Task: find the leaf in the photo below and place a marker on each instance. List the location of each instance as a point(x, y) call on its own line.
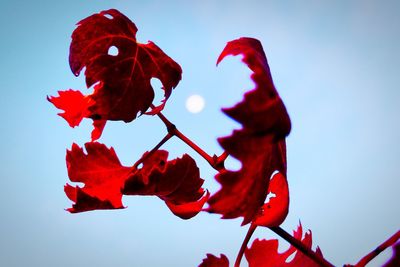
point(395, 259)
point(74, 104)
point(274, 212)
point(122, 87)
point(101, 172)
point(264, 253)
point(213, 261)
point(259, 144)
point(177, 182)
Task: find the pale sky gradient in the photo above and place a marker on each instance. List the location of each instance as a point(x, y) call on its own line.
point(336, 66)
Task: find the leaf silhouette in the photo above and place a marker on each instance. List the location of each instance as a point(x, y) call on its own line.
point(274, 212)
point(395, 259)
point(259, 145)
point(264, 253)
point(121, 79)
point(177, 182)
point(101, 172)
point(74, 104)
point(213, 261)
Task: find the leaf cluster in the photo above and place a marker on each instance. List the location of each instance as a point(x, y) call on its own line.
point(123, 92)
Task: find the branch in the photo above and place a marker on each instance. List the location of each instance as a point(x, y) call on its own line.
point(246, 240)
point(300, 246)
point(378, 250)
point(217, 162)
point(151, 152)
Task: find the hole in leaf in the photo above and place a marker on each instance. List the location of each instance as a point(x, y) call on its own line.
point(113, 51)
point(108, 16)
point(291, 257)
point(232, 164)
point(140, 166)
point(269, 196)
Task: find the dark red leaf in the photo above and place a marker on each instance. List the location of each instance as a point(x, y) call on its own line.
point(121, 80)
point(274, 212)
point(101, 172)
point(74, 104)
point(395, 259)
point(177, 182)
point(189, 209)
point(213, 261)
point(264, 253)
point(259, 145)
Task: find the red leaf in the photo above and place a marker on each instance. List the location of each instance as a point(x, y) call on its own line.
point(274, 212)
point(264, 253)
point(189, 209)
point(395, 259)
point(122, 80)
point(177, 182)
point(74, 104)
point(102, 173)
point(259, 145)
point(213, 261)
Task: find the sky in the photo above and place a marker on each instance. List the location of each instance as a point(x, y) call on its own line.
point(335, 65)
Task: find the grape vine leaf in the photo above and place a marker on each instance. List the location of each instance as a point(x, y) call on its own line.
point(395, 259)
point(274, 212)
point(74, 105)
point(213, 261)
point(101, 172)
point(177, 182)
point(264, 253)
point(259, 145)
point(120, 78)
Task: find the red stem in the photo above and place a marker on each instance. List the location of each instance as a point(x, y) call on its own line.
point(151, 152)
point(300, 246)
point(215, 161)
point(378, 250)
point(223, 156)
point(246, 240)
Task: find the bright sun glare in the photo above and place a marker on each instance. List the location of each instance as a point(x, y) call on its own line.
point(195, 103)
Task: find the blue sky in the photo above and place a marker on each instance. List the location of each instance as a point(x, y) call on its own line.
point(336, 66)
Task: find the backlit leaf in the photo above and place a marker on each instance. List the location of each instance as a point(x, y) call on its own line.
point(121, 79)
point(101, 172)
point(264, 253)
point(259, 144)
point(395, 259)
point(213, 261)
point(274, 212)
point(177, 182)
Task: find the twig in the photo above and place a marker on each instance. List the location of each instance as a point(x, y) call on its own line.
point(151, 152)
point(216, 162)
point(246, 240)
point(378, 250)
